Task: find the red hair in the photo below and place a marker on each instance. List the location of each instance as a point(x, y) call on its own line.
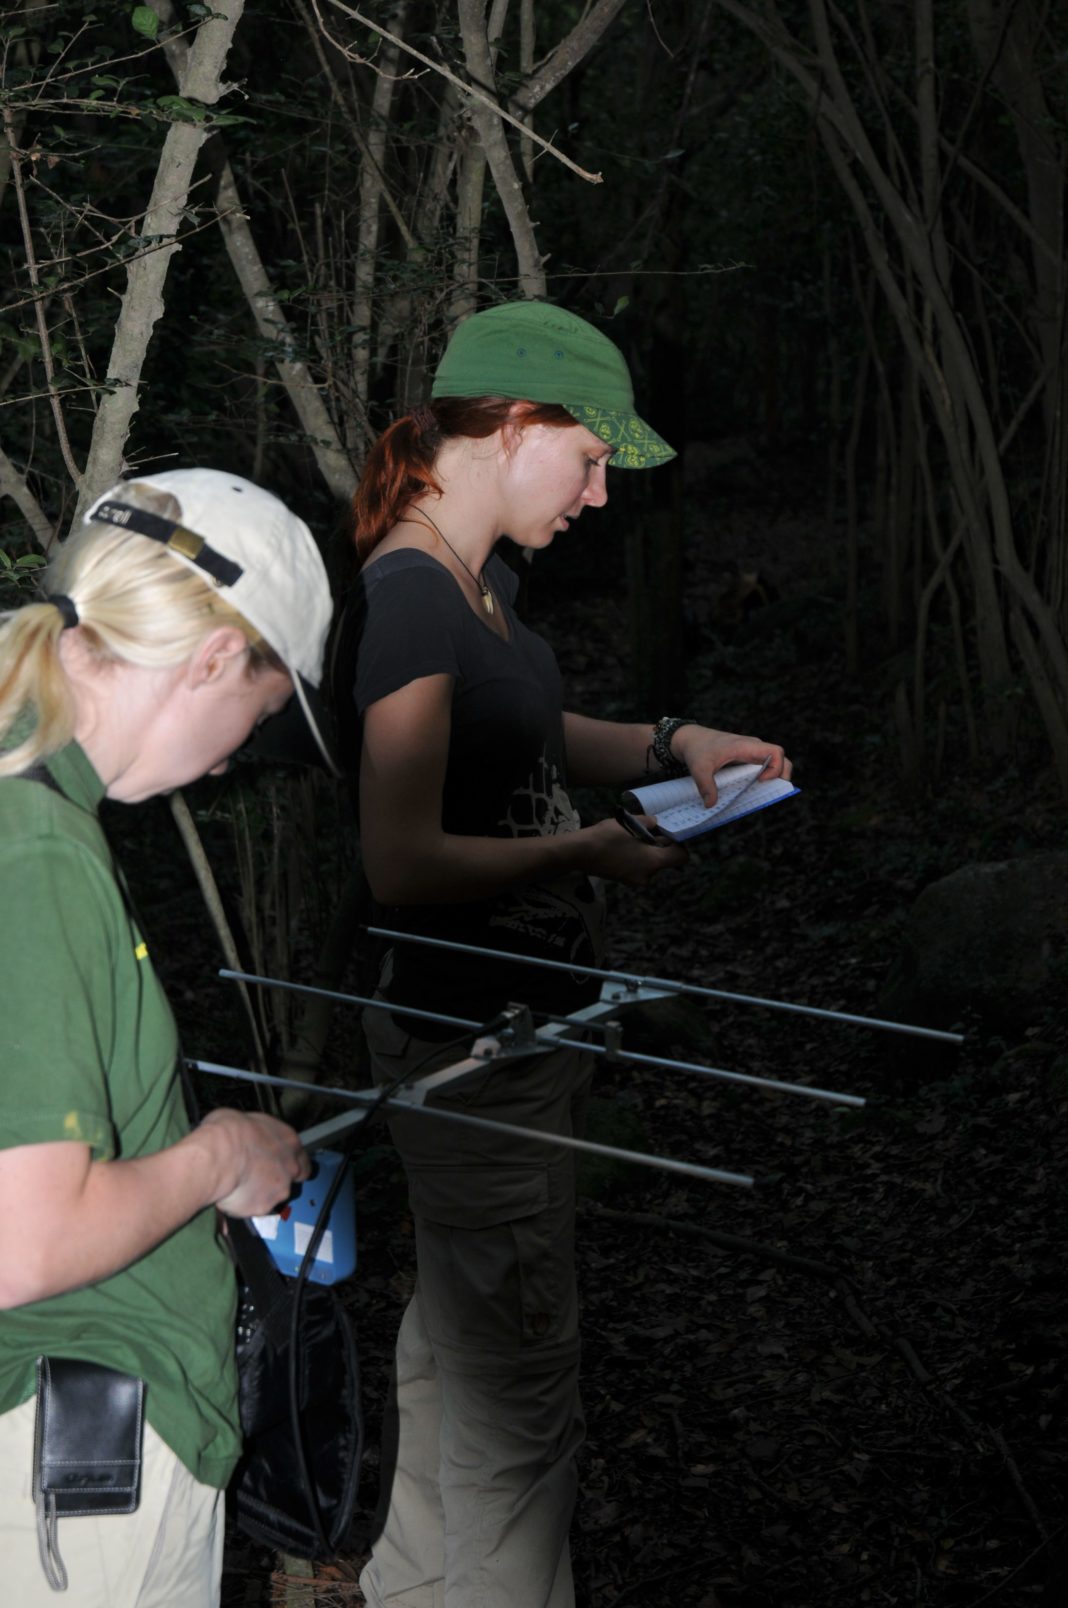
point(400, 465)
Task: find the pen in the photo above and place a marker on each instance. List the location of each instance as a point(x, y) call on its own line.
point(639, 831)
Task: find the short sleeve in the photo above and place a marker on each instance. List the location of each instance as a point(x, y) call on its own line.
point(413, 626)
point(57, 947)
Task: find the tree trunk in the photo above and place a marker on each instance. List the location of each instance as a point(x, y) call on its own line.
point(472, 16)
point(470, 187)
point(371, 188)
point(271, 321)
point(142, 302)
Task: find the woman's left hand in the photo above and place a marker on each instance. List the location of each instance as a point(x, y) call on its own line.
point(704, 751)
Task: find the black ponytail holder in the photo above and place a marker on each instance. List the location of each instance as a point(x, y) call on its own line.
point(425, 420)
point(67, 608)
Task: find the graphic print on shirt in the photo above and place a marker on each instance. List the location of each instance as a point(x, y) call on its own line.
point(541, 807)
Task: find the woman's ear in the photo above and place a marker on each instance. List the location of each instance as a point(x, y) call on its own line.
point(215, 654)
point(512, 428)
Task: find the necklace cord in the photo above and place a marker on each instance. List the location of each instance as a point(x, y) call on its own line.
point(480, 580)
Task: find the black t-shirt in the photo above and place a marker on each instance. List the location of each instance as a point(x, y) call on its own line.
point(505, 777)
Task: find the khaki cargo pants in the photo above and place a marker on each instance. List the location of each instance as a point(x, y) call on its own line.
point(479, 1481)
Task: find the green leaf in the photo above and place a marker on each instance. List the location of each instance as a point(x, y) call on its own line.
point(621, 305)
point(145, 22)
point(182, 110)
point(226, 119)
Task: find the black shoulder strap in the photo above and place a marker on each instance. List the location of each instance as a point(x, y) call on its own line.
point(42, 774)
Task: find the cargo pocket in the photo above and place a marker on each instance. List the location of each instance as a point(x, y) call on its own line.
point(387, 1039)
point(496, 1273)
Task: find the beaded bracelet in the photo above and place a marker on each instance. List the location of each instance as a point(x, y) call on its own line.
point(660, 747)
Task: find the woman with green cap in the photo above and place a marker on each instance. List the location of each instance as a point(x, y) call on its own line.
point(464, 752)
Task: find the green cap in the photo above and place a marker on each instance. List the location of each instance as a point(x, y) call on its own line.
point(534, 352)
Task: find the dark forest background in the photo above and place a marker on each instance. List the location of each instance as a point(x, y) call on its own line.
point(830, 239)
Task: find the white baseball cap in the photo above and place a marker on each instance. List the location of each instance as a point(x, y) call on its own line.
point(261, 557)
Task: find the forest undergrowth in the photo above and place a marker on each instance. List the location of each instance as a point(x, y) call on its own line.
point(844, 1385)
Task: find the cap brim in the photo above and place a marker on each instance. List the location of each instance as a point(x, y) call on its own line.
point(317, 720)
point(635, 444)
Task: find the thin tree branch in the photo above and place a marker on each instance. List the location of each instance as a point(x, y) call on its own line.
point(468, 89)
point(567, 54)
point(307, 399)
point(38, 396)
point(317, 35)
point(76, 284)
point(42, 323)
point(371, 185)
point(13, 485)
point(209, 892)
point(527, 36)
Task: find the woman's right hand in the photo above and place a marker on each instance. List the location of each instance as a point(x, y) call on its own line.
point(619, 857)
point(261, 1160)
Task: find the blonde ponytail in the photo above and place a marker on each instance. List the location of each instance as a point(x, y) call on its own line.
point(31, 677)
point(134, 602)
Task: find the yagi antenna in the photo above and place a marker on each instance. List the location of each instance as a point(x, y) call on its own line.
point(664, 985)
point(551, 1036)
point(326, 1133)
point(512, 1036)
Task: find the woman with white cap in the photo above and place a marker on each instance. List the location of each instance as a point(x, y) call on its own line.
point(188, 609)
point(464, 754)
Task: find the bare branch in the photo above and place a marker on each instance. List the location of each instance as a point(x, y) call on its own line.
point(13, 485)
point(567, 54)
point(38, 396)
point(303, 393)
point(42, 325)
point(109, 267)
point(366, 265)
point(468, 89)
point(527, 38)
point(317, 35)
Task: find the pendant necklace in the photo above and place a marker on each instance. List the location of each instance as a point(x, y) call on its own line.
point(480, 580)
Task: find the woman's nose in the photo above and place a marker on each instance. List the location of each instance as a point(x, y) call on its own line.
point(596, 493)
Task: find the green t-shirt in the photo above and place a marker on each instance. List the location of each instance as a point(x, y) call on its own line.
point(88, 1052)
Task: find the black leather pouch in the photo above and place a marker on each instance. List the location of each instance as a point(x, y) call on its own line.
point(87, 1448)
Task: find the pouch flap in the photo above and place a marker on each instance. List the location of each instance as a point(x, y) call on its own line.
point(88, 1436)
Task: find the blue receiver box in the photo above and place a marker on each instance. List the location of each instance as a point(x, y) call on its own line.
point(287, 1233)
